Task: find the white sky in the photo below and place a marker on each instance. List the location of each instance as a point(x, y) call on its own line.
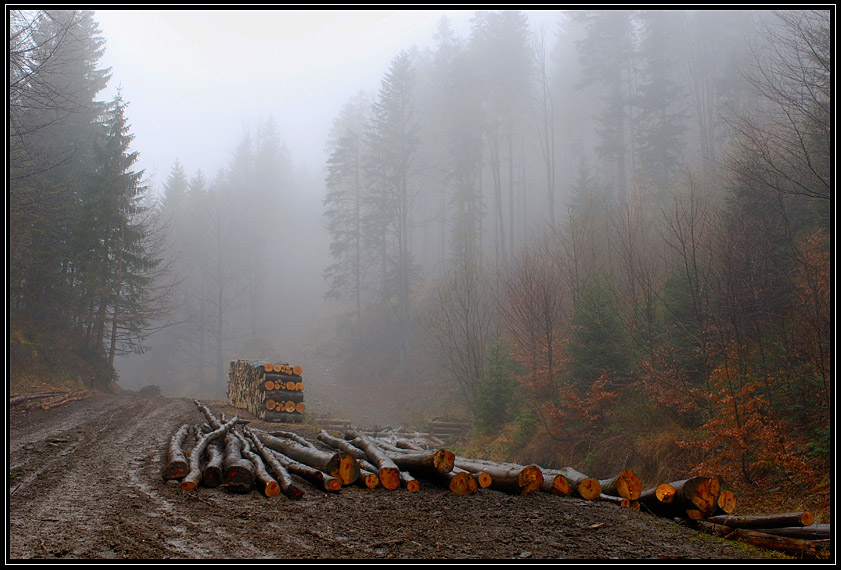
point(195, 80)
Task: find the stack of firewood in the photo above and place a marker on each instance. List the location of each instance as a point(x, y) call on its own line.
point(240, 458)
point(269, 391)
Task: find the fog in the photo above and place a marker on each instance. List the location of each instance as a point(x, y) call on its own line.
point(417, 206)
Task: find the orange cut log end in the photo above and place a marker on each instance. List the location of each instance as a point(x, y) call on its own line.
point(389, 478)
point(727, 502)
point(531, 478)
point(590, 489)
point(272, 489)
point(665, 493)
point(560, 486)
point(462, 484)
point(484, 480)
point(629, 485)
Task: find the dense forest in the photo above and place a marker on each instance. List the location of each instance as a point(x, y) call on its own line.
point(604, 239)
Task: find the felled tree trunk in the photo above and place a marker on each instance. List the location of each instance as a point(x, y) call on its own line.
point(176, 466)
point(794, 546)
point(284, 480)
point(237, 472)
point(367, 478)
point(314, 475)
point(583, 486)
point(340, 465)
point(518, 480)
point(556, 484)
point(812, 532)
point(626, 485)
point(262, 479)
point(697, 496)
point(621, 501)
point(656, 500)
point(387, 470)
point(191, 481)
point(800, 519)
point(441, 461)
point(212, 470)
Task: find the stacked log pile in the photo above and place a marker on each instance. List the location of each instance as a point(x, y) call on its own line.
point(239, 458)
point(268, 391)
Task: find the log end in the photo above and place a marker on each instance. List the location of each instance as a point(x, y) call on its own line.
point(462, 483)
point(176, 470)
point(444, 460)
point(665, 493)
point(589, 489)
point(727, 502)
point(807, 518)
point(389, 478)
point(530, 478)
point(484, 480)
point(560, 486)
point(629, 485)
point(272, 489)
point(413, 485)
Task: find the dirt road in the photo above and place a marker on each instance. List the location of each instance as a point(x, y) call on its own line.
point(85, 482)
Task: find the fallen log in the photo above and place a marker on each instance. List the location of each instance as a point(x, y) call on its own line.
point(815, 531)
point(800, 519)
point(262, 479)
point(237, 472)
point(284, 480)
point(20, 398)
point(367, 478)
point(556, 484)
point(439, 460)
point(177, 466)
point(656, 500)
point(409, 482)
point(794, 546)
point(520, 479)
point(387, 470)
point(583, 486)
point(626, 485)
point(191, 481)
point(621, 501)
point(317, 477)
point(212, 469)
point(340, 465)
point(697, 496)
point(726, 502)
point(459, 481)
point(61, 400)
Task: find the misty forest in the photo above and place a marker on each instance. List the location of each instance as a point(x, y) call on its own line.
point(604, 242)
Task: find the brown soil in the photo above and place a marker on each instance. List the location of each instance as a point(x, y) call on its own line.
point(85, 482)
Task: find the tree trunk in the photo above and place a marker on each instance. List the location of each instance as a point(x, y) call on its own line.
point(237, 473)
point(556, 484)
point(583, 486)
point(621, 501)
point(287, 486)
point(626, 485)
point(800, 519)
point(192, 479)
point(387, 470)
point(656, 499)
point(340, 465)
point(177, 466)
point(262, 479)
point(812, 532)
point(312, 474)
point(517, 479)
point(212, 470)
point(793, 546)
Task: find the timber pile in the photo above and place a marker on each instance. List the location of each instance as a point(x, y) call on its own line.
point(239, 458)
point(268, 391)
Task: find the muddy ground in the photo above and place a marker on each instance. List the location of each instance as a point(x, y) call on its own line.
point(85, 482)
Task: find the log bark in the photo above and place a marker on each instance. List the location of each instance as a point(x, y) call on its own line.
point(813, 532)
point(800, 519)
point(191, 481)
point(237, 472)
point(621, 501)
point(519, 480)
point(317, 477)
point(556, 484)
point(387, 469)
point(212, 469)
point(583, 486)
point(626, 485)
point(794, 546)
point(656, 500)
point(284, 480)
point(440, 460)
point(177, 466)
point(340, 465)
point(262, 479)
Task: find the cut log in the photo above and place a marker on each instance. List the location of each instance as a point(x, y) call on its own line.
point(20, 398)
point(191, 481)
point(177, 466)
point(284, 480)
point(812, 532)
point(621, 501)
point(726, 502)
point(367, 479)
point(262, 479)
point(483, 480)
point(315, 476)
point(519, 480)
point(698, 496)
point(801, 519)
point(387, 470)
point(585, 487)
point(440, 460)
point(212, 469)
point(793, 546)
point(409, 482)
point(556, 484)
point(237, 472)
point(340, 465)
point(626, 485)
point(459, 481)
point(656, 500)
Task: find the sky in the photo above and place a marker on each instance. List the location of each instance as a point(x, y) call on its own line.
point(197, 80)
